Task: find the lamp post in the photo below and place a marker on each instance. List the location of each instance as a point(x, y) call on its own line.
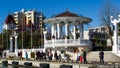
point(115, 42)
point(31, 36)
point(16, 46)
point(11, 43)
point(44, 31)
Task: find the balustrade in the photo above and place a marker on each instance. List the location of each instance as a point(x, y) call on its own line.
point(69, 42)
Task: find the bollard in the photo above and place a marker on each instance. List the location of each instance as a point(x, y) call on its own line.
point(44, 65)
point(28, 63)
point(119, 66)
point(5, 62)
point(65, 66)
point(15, 63)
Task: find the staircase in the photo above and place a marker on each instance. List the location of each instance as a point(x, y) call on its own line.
point(108, 56)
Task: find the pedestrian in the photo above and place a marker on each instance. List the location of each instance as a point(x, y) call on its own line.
point(81, 56)
point(78, 55)
point(50, 55)
point(26, 56)
point(42, 56)
point(84, 57)
point(20, 54)
point(32, 54)
point(4, 54)
point(55, 55)
point(59, 57)
point(37, 55)
point(0, 54)
point(47, 56)
point(101, 56)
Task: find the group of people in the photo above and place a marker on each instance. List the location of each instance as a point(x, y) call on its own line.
point(81, 56)
point(33, 55)
point(48, 56)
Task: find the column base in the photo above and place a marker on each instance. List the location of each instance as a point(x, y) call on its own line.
point(16, 50)
point(114, 49)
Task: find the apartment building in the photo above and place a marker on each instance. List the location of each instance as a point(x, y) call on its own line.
point(23, 17)
point(99, 36)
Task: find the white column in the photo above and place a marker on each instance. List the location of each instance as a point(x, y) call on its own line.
point(66, 29)
point(55, 32)
point(66, 32)
point(74, 28)
point(58, 30)
point(81, 31)
point(52, 30)
point(16, 46)
point(11, 43)
point(115, 42)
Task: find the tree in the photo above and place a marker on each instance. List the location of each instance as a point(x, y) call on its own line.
point(106, 12)
point(26, 39)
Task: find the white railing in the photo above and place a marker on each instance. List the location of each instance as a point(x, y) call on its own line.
point(66, 42)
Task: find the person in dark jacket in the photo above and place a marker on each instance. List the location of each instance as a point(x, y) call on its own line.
point(84, 57)
point(101, 56)
point(55, 55)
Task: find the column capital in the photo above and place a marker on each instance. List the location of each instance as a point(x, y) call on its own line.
point(115, 21)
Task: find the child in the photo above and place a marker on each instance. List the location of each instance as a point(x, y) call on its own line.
point(81, 59)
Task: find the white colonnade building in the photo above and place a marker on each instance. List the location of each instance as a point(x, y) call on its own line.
point(59, 35)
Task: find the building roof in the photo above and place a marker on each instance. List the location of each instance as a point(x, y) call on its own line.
point(9, 20)
point(67, 14)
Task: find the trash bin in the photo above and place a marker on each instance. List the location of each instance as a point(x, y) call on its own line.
point(15, 63)
point(5, 62)
point(28, 63)
point(44, 65)
point(65, 66)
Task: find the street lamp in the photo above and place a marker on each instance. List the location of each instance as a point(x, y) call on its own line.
point(115, 22)
point(16, 36)
point(44, 31)
point(11, 43)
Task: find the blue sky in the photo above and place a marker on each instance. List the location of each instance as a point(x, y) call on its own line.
point(87, 8)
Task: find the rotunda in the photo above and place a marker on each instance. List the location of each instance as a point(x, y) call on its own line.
point(61, 26)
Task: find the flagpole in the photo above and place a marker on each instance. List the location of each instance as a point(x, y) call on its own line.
point(22, 33)
point(31, 35)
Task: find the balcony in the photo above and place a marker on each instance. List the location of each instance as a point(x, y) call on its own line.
point(66, 43)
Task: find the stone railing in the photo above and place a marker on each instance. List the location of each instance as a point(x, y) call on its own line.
point(66, 42)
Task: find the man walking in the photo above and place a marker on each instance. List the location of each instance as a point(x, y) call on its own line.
point(101, 56)
point(84, 57)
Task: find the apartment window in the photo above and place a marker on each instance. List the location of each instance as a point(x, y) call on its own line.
point(96, 30)
point(118, 44)
point(102, 29)
point(119, 48)
point(118, 39)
